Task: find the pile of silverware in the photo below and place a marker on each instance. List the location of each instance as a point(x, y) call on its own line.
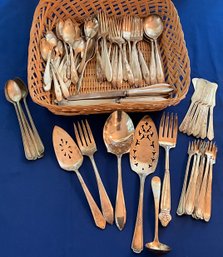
point(199, 118)
point(196, 193)
point(69, 48)
point(16, 92)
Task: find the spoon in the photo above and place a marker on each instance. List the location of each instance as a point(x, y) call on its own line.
point(14, 95)
point(144, 154)
point(156, 246)
point(153, 28)
point(90, 55)
point(70, 158)
point(24, 92)
point(118, 135)
point(78, 47)
point(90, 30)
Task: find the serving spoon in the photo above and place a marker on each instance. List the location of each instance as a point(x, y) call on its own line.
point(153, 28)
point(70, 158)
point(156, 246)
point(144, 154)
point(118, 136)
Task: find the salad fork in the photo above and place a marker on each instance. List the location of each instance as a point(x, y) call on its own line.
point(87, 145)
point(136, 36)
point(167, 139)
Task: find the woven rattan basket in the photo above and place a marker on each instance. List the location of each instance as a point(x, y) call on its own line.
point(173, 50)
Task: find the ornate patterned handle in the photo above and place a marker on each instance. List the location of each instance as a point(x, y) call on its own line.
point(96, 213)
point(159, 64)
point(135, 66)
point(152, 67)
point(145, 69)
point(207, 209)
point(107, 63)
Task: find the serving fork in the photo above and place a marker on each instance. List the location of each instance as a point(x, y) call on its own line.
point(167, 139)
point(87, 145)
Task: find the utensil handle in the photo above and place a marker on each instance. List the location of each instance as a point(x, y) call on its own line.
point(120, 70)
point(137, 240)
point(135, 66)
point(35, 132)
point(152, 66)
point(201, 199)
point(144, 67)
point(83, 61)
point(165, 205)
point(106, 205)
point(159, 64)
point(199, 182)
point(80, 81)
point(181, 206)
point(27, 152)
point(96, 213)
point(191, 191)
point(127, 68)
point(107, 63)
point(184, 124)
point(156, 187)
point(120, 209)
point(210, 134)
point(207, 209)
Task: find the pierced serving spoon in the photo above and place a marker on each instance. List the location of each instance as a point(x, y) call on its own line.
point(156, 246)
point(70, 158)
point(144, 155)
point(153, 28)
point(118, 135)
point(24, 92)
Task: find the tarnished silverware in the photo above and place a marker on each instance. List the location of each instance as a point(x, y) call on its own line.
point(208, 196)
point(38, 140)
point(70, 159)
point(153, 28)
point(191, 190)
point(153, 90)
point(118, 136)
point(126, 32)
point(103, 33)
point(156, 246)
point(136, 36)
point(191, 153)
point(167, 139)
point(144, 154)
point(87, 145)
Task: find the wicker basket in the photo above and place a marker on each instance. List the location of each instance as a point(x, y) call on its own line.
point(173, 50)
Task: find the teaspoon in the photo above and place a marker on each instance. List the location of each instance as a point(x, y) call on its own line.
point(153, 28)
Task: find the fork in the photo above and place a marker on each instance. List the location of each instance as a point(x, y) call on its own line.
point(181, 206)
point(103, 33)
point(199, 212)
point(126, 32)
point(136, 36)
point(167, 139)
point(87, 145)
point(116, 33)
point(208, 196)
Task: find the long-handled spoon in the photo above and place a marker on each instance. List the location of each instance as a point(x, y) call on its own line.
point(70, 159)
point(156, 246)
point(118, 135)
point(38, 140)
point(153, 28)
point(144, 154)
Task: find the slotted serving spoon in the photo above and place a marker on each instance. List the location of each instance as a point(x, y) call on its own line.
point(144, 154)
point(70, 158)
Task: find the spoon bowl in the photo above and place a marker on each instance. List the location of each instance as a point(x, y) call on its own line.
point(13, 92)
point(153, 26)
point(158, 248)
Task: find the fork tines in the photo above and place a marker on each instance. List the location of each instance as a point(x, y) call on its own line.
point(168, 129)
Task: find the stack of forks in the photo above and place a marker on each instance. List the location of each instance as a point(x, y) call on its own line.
point(199, 118)
point(196, 193)
point(118, 56)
